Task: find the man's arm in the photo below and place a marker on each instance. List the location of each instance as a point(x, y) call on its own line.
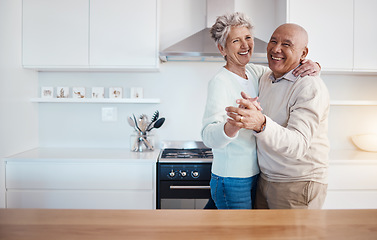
point(292, 141)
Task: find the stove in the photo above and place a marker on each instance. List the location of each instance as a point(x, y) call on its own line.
point(183, 175)
point(186, 155)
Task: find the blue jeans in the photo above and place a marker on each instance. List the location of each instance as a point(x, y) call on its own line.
point(232, 192)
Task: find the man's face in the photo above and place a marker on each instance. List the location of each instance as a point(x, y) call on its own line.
point(285, 50)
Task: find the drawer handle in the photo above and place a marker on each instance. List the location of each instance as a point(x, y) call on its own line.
point(190, 187)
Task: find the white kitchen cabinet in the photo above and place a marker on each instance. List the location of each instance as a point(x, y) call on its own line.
point(365, 35)
point(340, 32)
point(123, 32)
point(55, 33)
point(352, 182)
point(90, 34)
point(330, 28)
point(81, 179)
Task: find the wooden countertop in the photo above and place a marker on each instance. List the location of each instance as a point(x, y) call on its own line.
point(48, 224)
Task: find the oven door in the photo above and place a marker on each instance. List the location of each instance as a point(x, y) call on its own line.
point(184, 194)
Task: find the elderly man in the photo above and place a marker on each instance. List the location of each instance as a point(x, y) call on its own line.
point(292, 131)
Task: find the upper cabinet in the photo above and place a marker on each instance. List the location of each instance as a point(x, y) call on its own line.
point(55, 33)
point(330, 28)
point(365, 35)
point(90, 34)
point(339, 32)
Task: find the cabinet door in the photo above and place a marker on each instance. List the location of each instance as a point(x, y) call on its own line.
point(60, 175)
point(365, 35)
point(351, 199)
point(81, 199)
point(107, 185)
point(351, 186)
point(55, 32)
point(330, 28)
point(123, 33)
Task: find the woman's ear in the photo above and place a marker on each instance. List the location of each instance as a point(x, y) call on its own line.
point(305, 52)
point(221, 49)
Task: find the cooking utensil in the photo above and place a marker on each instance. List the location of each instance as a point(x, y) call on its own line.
point(147, 144)
point(137, 126)
point(143, 120)
point(154, 118)
point(131, 123)
point(157, 124)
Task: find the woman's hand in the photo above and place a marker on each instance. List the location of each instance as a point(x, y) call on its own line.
point(248, 115)
point(307, 68)
point(254, 101)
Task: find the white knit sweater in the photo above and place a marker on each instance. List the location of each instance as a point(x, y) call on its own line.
point(237, 156)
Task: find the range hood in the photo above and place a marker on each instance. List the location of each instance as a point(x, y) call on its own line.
point(201, 47)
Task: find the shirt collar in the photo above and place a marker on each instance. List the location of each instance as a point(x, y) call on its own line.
point(288, 76)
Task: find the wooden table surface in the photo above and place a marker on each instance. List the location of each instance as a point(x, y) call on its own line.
point(51, 224)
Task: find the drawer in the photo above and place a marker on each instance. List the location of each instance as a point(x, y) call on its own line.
point(351, 200)
point(85, 199)
point(106, 176)
point(352, 177)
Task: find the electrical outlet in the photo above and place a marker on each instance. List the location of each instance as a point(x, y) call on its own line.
point(109, 114)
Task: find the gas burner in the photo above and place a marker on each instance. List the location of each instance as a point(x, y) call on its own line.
point(187, 153)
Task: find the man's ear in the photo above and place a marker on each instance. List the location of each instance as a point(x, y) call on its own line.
point(221, 49)
point(305, 52)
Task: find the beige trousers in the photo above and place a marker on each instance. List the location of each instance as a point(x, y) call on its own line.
point(290, 195)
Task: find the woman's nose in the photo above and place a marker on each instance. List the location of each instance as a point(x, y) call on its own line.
point(244, 44)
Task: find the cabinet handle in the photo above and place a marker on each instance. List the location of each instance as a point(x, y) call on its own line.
point(190, 187)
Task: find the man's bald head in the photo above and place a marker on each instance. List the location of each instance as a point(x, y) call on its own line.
point(287, 48)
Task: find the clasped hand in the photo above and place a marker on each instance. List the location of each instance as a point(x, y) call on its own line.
point(247, 115)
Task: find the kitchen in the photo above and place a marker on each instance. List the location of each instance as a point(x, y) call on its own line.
point(180, 87)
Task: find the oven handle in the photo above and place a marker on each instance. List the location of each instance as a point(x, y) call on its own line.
point(190, 187)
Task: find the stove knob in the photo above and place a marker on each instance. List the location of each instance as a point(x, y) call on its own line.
point(183, 173)
point(195, 174)
point(172, 174)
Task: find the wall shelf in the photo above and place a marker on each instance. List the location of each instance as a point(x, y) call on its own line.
point(95, 100)
point(352, 103)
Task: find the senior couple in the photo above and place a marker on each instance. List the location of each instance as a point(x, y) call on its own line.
point(273, 155)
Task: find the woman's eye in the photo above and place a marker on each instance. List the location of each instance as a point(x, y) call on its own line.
point(234, 41)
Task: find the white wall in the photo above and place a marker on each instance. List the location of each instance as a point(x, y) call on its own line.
point(18, 117)
point(181, 86)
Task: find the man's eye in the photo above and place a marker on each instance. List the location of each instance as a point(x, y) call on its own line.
point(286, 44)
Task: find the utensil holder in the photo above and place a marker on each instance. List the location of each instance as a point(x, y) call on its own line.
point(141, 142)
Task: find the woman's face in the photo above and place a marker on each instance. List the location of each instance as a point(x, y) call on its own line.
point(239, 46)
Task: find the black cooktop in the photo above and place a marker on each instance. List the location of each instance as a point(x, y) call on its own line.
point(187, 153)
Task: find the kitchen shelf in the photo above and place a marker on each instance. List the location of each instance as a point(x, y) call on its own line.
point(95, 100)
point(352, 103)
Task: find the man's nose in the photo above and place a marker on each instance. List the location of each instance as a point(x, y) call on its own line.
point(276, 48)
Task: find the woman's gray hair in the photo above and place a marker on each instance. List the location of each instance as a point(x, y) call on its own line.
point(223, 24)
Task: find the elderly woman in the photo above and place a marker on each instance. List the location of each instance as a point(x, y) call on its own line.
point(234, 168)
